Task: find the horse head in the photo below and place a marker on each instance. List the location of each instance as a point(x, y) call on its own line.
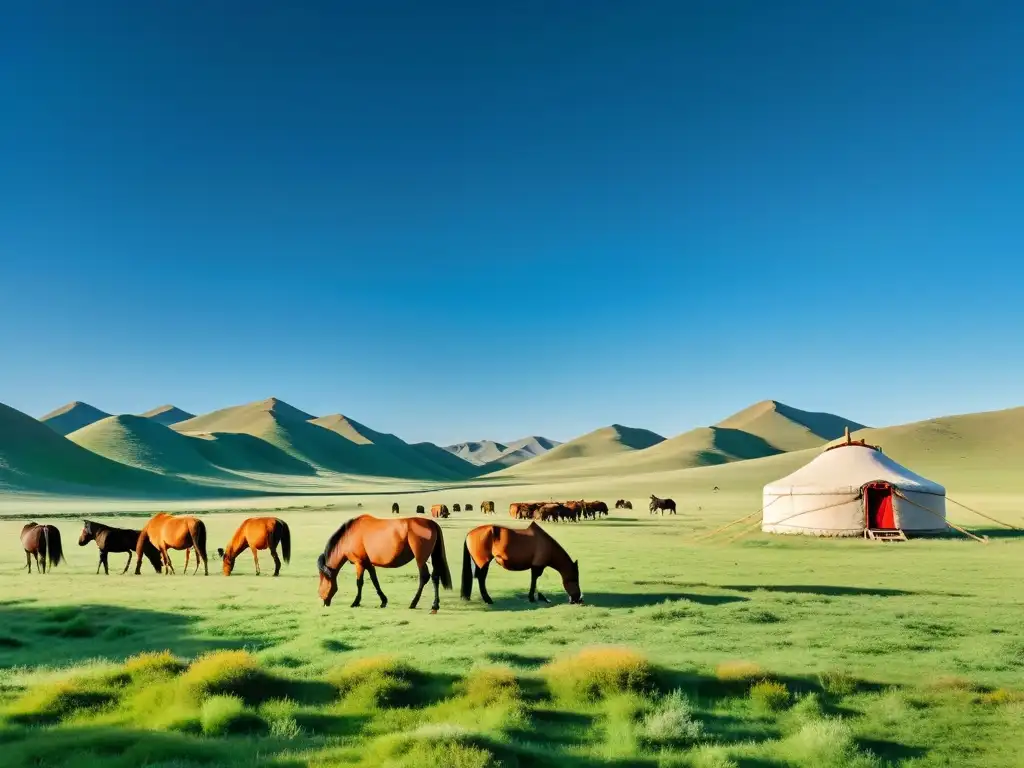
point(571, 583)
point(87, 534)
point(228, 560)
point(328, 580)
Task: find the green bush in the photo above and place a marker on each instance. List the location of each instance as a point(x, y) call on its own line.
point(836, 682)
point(671, 722)
point(222, 715)
point(228, 673)
point(378, 681)
point(596, 673)
point(769, 695)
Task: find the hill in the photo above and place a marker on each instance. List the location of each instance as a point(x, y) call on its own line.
point(168, 415)
point(411, 461)
point(141, 442)
point(496, 455)
point(785, 428)
point(33, 457)
point(243, 418)
point(614, 440)
point(72, 416)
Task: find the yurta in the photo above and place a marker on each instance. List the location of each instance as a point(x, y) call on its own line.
point(853, 489)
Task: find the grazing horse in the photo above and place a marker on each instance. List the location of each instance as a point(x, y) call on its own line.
point(517, 549)
point(523, 510)
point(259, 533)
point(627, 505)
point(41, 541)
point(596, 508)
point(420, 510)
point(439, 510)
point(469, 507)
point(662, 504)
point(370, 542)
point(394, 508)
point(116, 540)
point(487, 507)
point(456, 508)
point(166, 532)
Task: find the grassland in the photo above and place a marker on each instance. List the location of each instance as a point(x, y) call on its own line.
point(761, 651)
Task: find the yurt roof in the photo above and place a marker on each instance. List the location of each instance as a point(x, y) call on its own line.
point(847, 468)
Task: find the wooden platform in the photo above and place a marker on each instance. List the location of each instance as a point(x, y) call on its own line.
point(889, 534)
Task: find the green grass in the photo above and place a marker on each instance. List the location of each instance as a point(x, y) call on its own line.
point(767, 651)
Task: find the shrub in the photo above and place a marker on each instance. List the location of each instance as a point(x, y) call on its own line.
point(836, 682)
point(825, 743)
point(769, 695)
point(51, 703)
point(671, 722)
point(279, 716)
point(154, 664)
point(493, 685)
point(431, 745)
point(596, 673)
point(222, 715)
point(378, 681)
point(228, 673)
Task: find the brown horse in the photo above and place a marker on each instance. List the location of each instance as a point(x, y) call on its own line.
point(166, 532)
point(439, 510)
point(370, 542)
point(487, 507)
point(517, 549)
point(116, 540)
point(41, 541)
point(662, 504)
point(258, 533)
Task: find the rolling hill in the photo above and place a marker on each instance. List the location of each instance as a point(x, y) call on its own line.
point(168, 415)
point(610, 441)
point(494, 455)
point(72, 416)
point(785, 428)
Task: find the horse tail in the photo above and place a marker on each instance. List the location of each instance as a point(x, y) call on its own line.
point(198, 530)
point(467, 572)
point(439, 559)
point(286, 541)
point(54, 549)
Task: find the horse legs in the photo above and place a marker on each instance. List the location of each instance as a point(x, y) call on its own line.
point(535, 573)
point(128, 564)
point(28, 561)
point(167, 561)
point(277, 563)
point(40, 564)
point(481, 579)
point(359, 584)
point(103, 562)
point(436, 577)
point(254, 559)
point(373, 578)
point(424, 578)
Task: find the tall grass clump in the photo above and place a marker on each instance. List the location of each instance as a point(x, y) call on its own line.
point(53, 702)
point(222, 715)
point(769, 696)
point(836, 682)
point(433, 745)
point(371, 683)
point(671, 722)
point(825, 743)
point(279, 715)
point(153, 665)
point(597, 673)
point(228, 673)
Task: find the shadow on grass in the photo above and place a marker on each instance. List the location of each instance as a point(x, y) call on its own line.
point(636, 600)
point(891, 751)
point(55, 635)
point(832, 590)
point(998, 533)
point(520, 660)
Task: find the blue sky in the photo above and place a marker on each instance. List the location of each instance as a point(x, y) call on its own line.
point(456, 220)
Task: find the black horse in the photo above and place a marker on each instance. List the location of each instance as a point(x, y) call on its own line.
point(394, 508)
point(117, 540)
point(41, 542)
point(662, 504)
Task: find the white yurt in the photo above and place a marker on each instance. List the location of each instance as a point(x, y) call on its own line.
point(850, 489)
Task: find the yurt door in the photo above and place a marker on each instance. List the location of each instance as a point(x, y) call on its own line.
point(878, 506)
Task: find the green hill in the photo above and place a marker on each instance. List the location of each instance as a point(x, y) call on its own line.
point(168, 415)
point(614, 440)
point(144, 443)
point(72, 416)
point(33, 457)
point(785, 428)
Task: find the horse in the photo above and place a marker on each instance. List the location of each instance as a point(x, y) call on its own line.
point(165, 532)
point(394, 508)
point(627, 505)
point(370, 542)
point(456, 508)
point(439, 510)
point(662, 504)
point(420, 510)
point(469, 507)
point(620, 503)
point(596, 508)
point(487, 507)
point(41, 541)
point(517, 549)
point(523, 510)
point(110, 539)
point(258, 533)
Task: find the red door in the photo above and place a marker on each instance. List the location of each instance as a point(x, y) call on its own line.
point(878, 506)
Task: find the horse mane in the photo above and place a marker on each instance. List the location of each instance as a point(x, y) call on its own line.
point(552, 539)
point(336, 537)
point(90, 524)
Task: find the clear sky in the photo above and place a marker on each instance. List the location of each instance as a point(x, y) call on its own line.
point(457, 220)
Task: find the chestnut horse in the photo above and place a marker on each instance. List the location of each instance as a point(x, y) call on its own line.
point(165, 532)
point(116, 540)
point(41, 541)
point(371, 542)
point(259, 533)
point(517, 549)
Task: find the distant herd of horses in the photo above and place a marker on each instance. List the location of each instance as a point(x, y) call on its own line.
point(365, 541)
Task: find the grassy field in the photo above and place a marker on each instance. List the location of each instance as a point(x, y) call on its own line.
point(760, 651)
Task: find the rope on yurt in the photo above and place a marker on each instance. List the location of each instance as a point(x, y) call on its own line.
point(734, 522)
point(750, 528)
point(944, 520)
point(982, 514)
point(742, 533)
